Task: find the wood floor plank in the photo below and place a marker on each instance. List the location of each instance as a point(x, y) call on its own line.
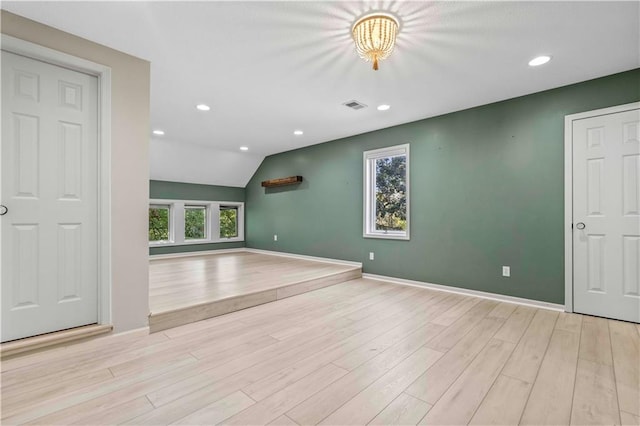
point(526, 359)
point(283, 420)
point(25, 397)
point(595, 344)
point(450, 337)
point(451, 315)
point(504, 403)
point(434, 382)
point(359, 356)
point(404, 410)
point(365, 406)
point(280, 402)
point(629, 419)
point(462, 399)
point(595, 400)
point(516, 324)
point(502, 311)
point(323, 403)
point(117, 414)
point(569, 322)
point(216, 412)
point(262, 363)
point(625, 346)
point(551, 398)
point(68, 407)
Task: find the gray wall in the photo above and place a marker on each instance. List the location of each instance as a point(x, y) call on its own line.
point(159, 189)
point(487, 189)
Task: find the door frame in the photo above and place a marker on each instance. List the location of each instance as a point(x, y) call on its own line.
point(103, 74)
point(568, 191)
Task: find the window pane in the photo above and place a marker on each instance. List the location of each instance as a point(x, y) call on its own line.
point(391, 193)
point(228, 222)
point(195, 222)
point(159, 223)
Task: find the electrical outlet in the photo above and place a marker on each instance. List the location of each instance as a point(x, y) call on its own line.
point(506, 271)
point(275, 237)
point(371, 256)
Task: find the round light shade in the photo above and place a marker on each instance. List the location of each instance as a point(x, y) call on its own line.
point(375, 36)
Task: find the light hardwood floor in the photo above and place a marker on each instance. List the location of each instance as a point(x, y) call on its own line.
point(359, 352)
point(185, 290)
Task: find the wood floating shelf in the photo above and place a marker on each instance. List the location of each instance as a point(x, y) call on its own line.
point(291, 180)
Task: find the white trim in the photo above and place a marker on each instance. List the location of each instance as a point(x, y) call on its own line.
point(304, 257)
point(568, 191)
point(103, 74)
point(467, 292)
point(368, 190)
point(195, 253)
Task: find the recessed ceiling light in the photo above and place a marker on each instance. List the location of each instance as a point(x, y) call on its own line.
point(203, 107)
point(383, 107)
point(244, 148)
point(298, 132)
point(158, 132)
point(540, 60)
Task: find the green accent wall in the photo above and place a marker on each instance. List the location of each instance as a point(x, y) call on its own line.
point(165, 190)
point(487, 189)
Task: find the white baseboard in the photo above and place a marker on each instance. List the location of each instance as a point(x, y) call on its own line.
point(466, 292)
point(195, 253)
point(304, 257)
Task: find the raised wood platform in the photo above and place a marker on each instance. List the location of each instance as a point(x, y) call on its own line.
point(189, 289)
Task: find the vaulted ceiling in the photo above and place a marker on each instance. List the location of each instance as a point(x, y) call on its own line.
point(269, 68)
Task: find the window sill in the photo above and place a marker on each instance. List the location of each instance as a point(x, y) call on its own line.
point(387, 236)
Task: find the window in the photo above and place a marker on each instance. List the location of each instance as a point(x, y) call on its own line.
point(159, 223)
point(195, 222)
point(179, 222)
point(386, 193)
point(228, 221)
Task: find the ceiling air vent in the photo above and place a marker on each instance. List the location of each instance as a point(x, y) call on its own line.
point(354, 105)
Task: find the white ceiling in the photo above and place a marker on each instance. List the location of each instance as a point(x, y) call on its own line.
point(268, 68)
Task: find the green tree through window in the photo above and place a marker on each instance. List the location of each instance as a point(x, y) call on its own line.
point(158, 223)
point(228, 222)
point(391, 198)
point(195, 222)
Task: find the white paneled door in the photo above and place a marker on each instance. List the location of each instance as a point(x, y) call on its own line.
point(606, 215)
point(49, 238)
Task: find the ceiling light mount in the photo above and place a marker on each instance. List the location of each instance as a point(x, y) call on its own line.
point(375, 36)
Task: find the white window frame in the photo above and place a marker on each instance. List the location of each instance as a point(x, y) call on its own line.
point(176, 222)
point(369, 189)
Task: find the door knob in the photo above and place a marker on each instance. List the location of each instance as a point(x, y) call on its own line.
point(3, 210)
point(580, 225)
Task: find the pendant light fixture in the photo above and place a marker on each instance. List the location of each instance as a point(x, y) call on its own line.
point(375, 36)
